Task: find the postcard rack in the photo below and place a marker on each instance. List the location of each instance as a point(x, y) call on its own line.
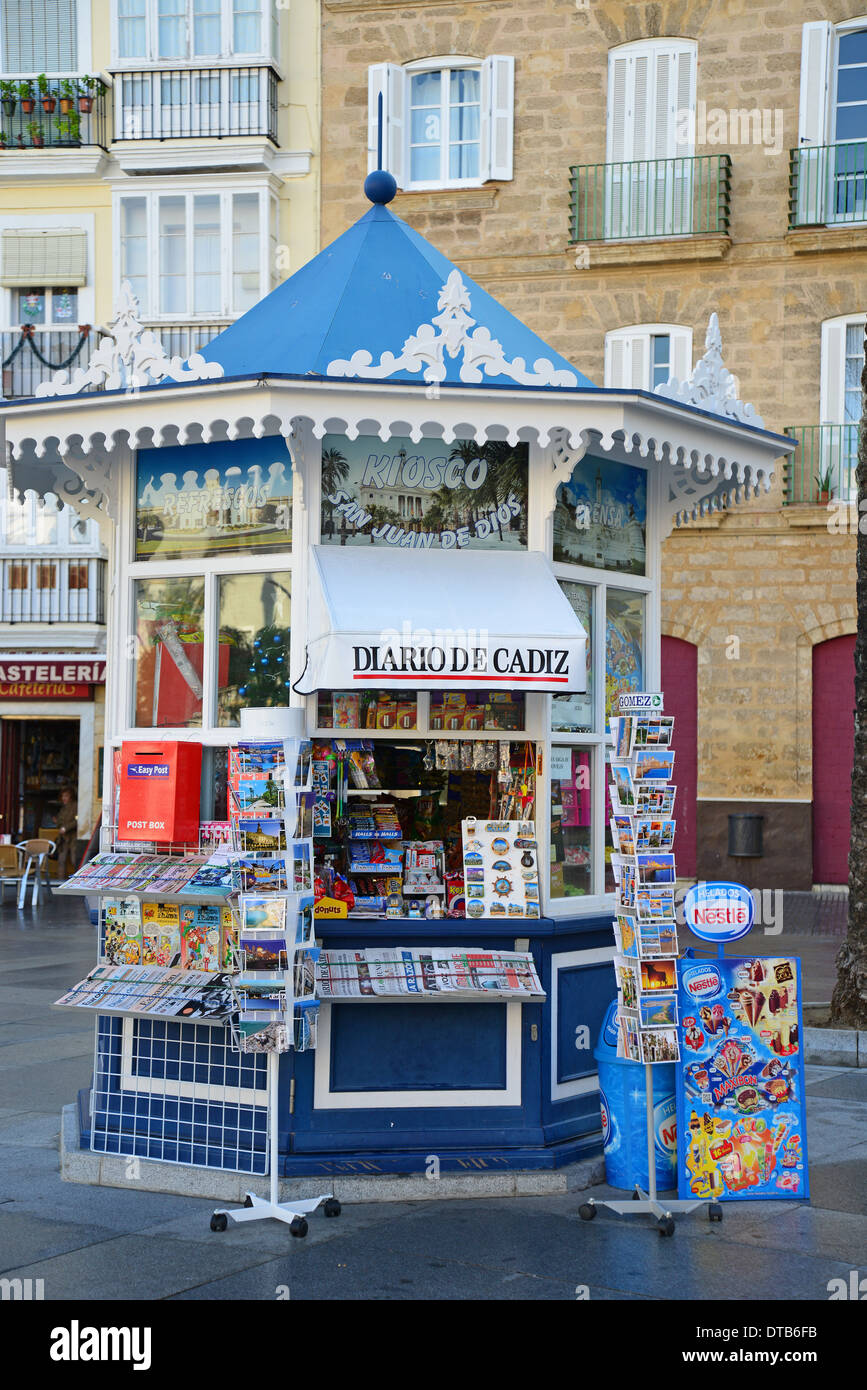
point(274, 986)
point(645, 929)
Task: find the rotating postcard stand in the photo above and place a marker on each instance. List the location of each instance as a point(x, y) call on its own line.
point(645, 929)
point(275, 985)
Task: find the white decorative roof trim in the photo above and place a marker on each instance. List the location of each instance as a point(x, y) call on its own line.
point(449, 333)
point(711, 385)
point(129, 357)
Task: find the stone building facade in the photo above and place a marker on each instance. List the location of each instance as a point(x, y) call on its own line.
point(613, 174)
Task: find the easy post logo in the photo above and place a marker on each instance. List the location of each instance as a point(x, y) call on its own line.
point(148, 770)
point(77, 1343)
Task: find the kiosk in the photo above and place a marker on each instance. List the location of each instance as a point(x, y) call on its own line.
point(381, 498)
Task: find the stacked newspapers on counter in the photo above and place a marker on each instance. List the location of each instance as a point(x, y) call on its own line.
point(444, 972)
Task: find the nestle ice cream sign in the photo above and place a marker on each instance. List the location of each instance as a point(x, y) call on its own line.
point(718, 911)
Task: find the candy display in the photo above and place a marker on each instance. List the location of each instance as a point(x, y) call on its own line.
point(741, 1119)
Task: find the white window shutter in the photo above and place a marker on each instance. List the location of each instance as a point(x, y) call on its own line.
point(389, 81)
point(681, 352)
point(615, 361)
point(833, 373)
point(641, 121)
point(685, 85)
point(627, 360)
point(816, 49)
point(618, 81)
point(497, 116)
point(639, 361)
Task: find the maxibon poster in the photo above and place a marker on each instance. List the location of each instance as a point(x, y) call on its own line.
point(741, 1125)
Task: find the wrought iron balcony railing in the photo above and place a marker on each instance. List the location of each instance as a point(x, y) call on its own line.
point(30, 356)
point(828, 184)
point(183, 103)
point(53, 589)
point(822, 468)
point(55, 112)
point(650, 198)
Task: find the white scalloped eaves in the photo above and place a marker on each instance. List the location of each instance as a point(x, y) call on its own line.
point(449, 334)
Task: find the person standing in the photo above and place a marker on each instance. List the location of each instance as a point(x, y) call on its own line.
point(67, 826)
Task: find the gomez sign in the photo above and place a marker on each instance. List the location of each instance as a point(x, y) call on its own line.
point(718, 911)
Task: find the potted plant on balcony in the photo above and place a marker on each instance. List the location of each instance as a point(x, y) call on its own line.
point(8, 97)
point(26, 96)
point(34, 130)
point(49, 100)
point(4, 140)
point(823, 486)
point(88, 88)
point(69, 128)
point(68, 93)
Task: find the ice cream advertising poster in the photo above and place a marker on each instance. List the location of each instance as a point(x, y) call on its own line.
point(741, 1121)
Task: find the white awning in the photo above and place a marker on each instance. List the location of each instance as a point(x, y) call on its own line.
point(437, 619)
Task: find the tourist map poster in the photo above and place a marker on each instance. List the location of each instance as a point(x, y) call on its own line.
point(741, 1124)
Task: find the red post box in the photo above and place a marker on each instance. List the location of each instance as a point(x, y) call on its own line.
point(159, 791)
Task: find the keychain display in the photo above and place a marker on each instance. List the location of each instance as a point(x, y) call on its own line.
point(500, 868)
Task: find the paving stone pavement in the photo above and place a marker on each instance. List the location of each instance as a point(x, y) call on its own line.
point(110, 1244)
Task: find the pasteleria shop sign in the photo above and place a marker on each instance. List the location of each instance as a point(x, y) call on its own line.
point(718, 911)
point(54, 670)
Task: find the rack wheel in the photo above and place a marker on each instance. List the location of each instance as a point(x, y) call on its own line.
point(587, 1211)
point(298, 1226)
point(665, 1226)
point(219, 1221)
point(714, 1212)
point(331, 1207)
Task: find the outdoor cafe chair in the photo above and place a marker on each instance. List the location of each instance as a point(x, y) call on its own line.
point(36, 852)
point(11, 868)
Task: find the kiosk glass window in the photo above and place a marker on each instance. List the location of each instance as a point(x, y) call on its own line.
point(212, 499)
point(169, 659)
point(574, 713)
point(367, 709)
point(571, 853)
point(624, 645)
point(600, 517)
point(253, 643)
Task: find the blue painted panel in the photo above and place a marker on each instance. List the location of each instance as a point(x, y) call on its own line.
point(418, 1047)
point(584, 993)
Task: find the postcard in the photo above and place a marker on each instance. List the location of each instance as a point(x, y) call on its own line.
point(655, 902)
point(659, 1045)
point(653, 834)
point(652, 730)
point(655, 868)
point(262, 875)
point(622, 834)
point(657, 1013)
point(622, 786)
point(622, 729)
point(658, 976)
point(261, 835)
point(258, 912)
point(625, 935)
point(263, 951)
point(255, 796)
point(626, 972)
point(653, 764)
point(628, 1044)
point(654, 801)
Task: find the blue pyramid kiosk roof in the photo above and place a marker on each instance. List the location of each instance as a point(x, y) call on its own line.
point(371, 289)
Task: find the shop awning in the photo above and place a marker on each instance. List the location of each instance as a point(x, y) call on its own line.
point(437, 619)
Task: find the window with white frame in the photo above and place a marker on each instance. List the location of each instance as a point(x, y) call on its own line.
point(446, 122)
point(834, 450)
point(185, 30)
point(832, 122)
point(195, 254)
point(40, 36)
point(647, 355)
point(650, 138)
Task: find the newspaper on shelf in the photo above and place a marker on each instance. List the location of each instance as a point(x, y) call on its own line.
point(424, 971)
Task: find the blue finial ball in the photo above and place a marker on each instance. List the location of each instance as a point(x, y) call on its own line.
point(380, 186)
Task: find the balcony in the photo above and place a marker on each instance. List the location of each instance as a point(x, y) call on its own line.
point(650, 199)
point(54, 113)
point(53, 590)
point(828, 185)
point(186, 103)
point(822, 468)
point(30, 356)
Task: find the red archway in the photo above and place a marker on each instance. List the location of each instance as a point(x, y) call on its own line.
point(680, 688)
point(833, 753)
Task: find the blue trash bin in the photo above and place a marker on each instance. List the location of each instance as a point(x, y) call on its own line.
point(622, 1098)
